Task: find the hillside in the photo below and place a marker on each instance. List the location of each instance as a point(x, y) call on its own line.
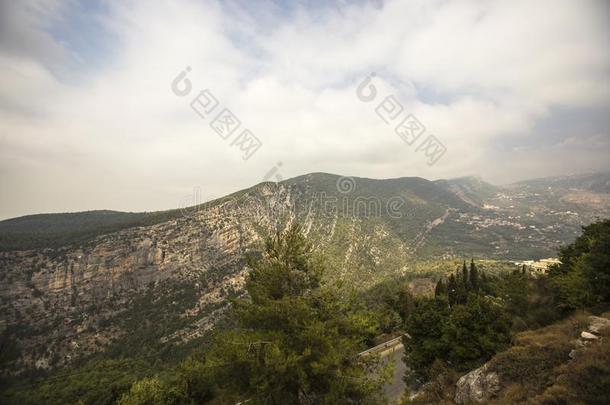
point(156, 282)
point(543, 212)
point(58, 230)
point(597, 182)
point(471, 189)
point(566, 362)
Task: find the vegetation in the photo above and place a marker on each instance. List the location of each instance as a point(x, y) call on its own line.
point(534, 354)
point(461, 326)
point(473, 317)
point(98, 382)
point(61, 230)
point(293, 341)
point(537, 369)
point(293, 338)
point(583, 277)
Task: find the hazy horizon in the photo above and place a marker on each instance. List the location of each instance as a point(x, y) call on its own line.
point(197, 197)
point(95, 115)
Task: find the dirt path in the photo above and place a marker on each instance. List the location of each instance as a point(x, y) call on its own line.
point(422, 236)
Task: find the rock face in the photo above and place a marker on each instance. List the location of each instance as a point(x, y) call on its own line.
point(478, 386)
point(61, 304)
point(58, 305)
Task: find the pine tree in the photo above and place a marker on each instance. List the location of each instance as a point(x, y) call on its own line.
point(484, 283)
point(452, 289)
point(426, 325)
point(441, 288)
point(475, 330)
point(292, 334)
point(465, 277)
point(474, 276)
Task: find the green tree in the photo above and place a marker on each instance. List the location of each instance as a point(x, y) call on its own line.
point(405, 303)
point(514, 290)
point(572, 290)
point(452, 289)
point(476, 330)
point(193, 382)
point(149, 391)
point(440, 289)
point(583, 277)
point(295, 341)
point(426, 327)
point(462, 285)
point(486, 283)
point(474, 276)
point(594, 263)
point(465, 277)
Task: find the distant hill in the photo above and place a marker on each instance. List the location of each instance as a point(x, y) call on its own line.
point(67, 229)
point(57, 230)
point(472, 190)
point(597, 182)
point(424, 201)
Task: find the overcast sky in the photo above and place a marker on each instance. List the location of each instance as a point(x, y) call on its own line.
point(88, 118)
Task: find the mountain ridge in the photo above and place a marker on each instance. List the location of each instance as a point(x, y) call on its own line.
point(468, 178)
point(143, 218)
point(181, 267)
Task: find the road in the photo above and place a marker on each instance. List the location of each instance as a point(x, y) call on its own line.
point(421, 238)
point(396, 386)
point(392, 352)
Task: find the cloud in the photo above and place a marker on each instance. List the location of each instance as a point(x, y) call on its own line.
point(23, 30)
point(88, 119)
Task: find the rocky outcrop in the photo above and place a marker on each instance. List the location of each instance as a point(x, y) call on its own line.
point(481, 385)
point(478, 386)
point(597, 323)
point(587, 336)
point(57, 305)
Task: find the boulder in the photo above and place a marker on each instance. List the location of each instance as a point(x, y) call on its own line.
point(587, 336)
point(596, 324)
point(478, 386)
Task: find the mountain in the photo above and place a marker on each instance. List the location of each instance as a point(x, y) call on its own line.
point(153, 283)
point(58, 230)
point(597, 182)
point(471, 189)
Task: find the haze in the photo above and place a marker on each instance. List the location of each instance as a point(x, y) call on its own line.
point(88, 118)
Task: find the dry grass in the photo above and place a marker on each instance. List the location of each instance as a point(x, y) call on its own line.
point(586, 380)
point(538, 370)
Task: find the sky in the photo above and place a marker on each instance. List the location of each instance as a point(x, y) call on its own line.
point(95, 115)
